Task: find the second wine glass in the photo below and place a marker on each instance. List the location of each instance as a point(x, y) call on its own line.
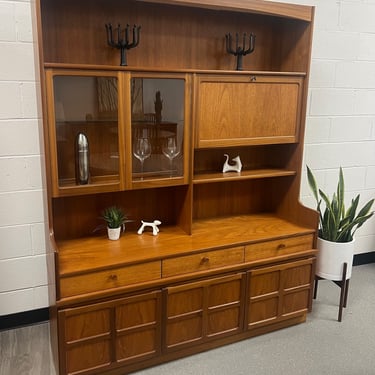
point(171, 150)
point(142, 150)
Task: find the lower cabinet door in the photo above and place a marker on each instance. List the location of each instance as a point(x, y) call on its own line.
point(278, 293)
point(101, 336)
point(203, 310)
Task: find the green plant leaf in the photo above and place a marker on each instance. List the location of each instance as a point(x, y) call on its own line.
point(340, 195)
point(313, 184)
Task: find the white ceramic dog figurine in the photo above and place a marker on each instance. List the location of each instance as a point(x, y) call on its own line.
point(153, 225)
point(236, 167)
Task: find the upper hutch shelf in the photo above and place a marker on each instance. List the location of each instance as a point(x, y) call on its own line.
point(190, 39)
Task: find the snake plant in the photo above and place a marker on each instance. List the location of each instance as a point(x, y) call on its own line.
point(336, 223)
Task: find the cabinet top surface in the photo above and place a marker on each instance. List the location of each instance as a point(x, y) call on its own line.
point(93, 253)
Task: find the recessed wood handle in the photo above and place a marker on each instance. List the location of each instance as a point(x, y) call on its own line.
point(112, 277)
point(205, 260)
point(281, 246)
point(253, 78)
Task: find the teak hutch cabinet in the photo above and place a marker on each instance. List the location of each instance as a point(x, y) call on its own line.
point(236, 252)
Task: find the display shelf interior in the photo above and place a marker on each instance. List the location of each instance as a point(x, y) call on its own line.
point(280, 45)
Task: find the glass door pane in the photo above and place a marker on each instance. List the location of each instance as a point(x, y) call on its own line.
point(157, 127)
point(86, 125)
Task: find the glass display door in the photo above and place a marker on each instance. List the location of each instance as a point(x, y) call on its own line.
point(157, 128)
point(85, 127)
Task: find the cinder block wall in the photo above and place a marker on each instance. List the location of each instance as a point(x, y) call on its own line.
point(23, 272)
point(340, 128)
point(340, 131)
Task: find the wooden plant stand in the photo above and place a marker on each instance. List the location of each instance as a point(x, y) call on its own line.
point(344, 286)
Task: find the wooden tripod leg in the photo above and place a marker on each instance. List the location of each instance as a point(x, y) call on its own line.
point(343, 292)
point(346, 292)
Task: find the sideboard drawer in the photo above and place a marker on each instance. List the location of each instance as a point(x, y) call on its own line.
point(112, 278)
point(270, 249)
point(202, 261)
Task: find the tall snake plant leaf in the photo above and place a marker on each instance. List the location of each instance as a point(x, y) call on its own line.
point(330, 219)
point(340, 194)
point(313, 184)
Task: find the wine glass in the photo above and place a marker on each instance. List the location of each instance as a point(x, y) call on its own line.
point(170, 150)
point(142, 150)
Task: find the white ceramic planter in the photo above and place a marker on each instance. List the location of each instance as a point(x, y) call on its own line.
point(331, 258)
point(114, 233)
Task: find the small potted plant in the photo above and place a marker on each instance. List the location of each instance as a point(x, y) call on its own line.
point(337, 227)
point(115, 219)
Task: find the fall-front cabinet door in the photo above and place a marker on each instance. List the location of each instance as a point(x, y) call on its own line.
point(247, 109)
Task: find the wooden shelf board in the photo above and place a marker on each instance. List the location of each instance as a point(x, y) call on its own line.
point(94, 253)
point(243, 175)
point(137, 69)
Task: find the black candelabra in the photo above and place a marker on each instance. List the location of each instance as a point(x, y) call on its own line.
point(123, 39)
point(240, 51)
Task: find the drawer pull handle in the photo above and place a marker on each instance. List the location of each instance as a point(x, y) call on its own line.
point(253, 78)
point(205, 260)
point(112, 277)
point(281, 246)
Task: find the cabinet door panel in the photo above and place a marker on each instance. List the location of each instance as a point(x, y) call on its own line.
point(136, 313)
point(85, 325)
point(185, 301)
point(294, 302)
point(197, 311)
point(297, 276)
point(184, 330)
point(279, 292)
point(93, 355)
point(226, 320)
point(266, 283)
point(252, 109)
point(137, 327)
point(137, 344)
point(101, 335)
point(263, 310)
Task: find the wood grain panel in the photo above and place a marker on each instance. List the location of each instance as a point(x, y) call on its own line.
point(233, 111)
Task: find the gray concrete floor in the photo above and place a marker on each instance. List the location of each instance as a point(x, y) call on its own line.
point(321, 346)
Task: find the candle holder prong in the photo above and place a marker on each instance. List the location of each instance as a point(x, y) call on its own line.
point(123, 40)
